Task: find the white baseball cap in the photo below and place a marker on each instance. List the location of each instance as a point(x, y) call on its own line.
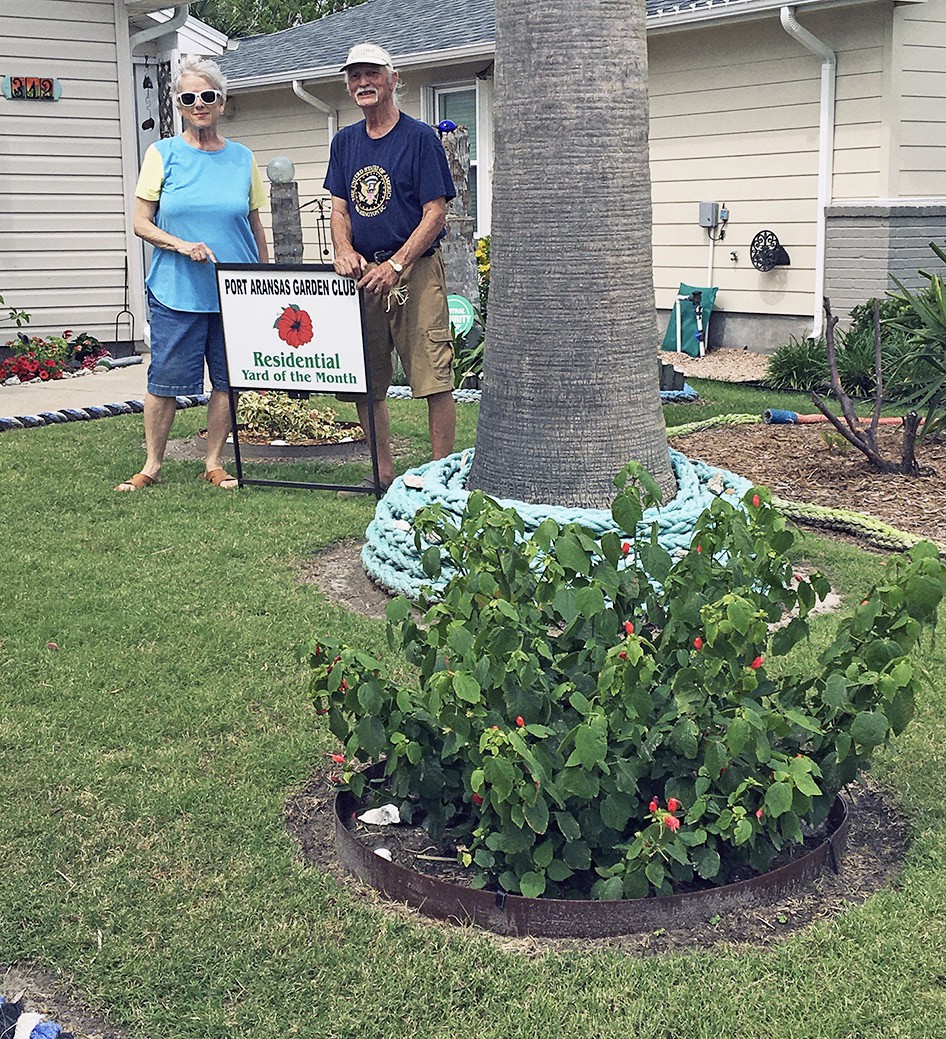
point(367, 54)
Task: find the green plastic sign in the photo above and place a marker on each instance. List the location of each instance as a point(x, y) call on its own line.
point(462, 314)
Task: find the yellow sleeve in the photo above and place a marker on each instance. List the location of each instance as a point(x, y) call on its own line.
point(259, 196)
point(151, 177)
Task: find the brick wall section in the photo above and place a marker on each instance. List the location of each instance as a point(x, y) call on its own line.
point(866, 242)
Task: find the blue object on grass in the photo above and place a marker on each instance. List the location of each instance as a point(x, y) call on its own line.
point(779, 417)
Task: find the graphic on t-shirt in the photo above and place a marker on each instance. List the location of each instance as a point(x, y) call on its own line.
point(294, 326)
point(370, 190)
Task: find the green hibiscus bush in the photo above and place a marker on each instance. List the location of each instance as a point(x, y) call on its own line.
point(600, 718)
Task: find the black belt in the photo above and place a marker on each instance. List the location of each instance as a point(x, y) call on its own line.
point(385, 254)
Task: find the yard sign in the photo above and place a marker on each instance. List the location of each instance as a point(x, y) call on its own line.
point(293, 327)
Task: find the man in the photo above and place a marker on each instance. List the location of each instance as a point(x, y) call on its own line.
point(390, 184)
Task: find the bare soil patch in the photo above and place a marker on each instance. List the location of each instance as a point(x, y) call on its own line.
point(43, 993)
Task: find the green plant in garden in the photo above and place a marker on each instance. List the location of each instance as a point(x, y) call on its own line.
point(481, 253)
point(468, 351)
point(801, 364)
point(599, 718)
point(18, 317)
point(922, 369)
point(281, 417)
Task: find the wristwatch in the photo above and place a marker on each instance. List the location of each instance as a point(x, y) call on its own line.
point(398, 267)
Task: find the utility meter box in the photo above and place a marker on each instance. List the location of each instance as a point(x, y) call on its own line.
point(709, 214)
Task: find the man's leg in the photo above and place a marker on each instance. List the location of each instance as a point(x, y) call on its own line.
point(159, 417)
point(442, 423)
point(382, 429)
point(219, 426)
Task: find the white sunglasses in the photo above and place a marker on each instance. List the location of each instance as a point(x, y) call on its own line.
point(207, 97)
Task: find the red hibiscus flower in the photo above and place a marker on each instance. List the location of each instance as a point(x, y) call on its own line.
point(673, 804)
point(654, 805)
point(757, 663)
point(476, 799)
point(756, 500)
point(629, 627)
point(339, 759)
point(294, 326)
point(672, 823)
point(520, 721)
point(622, 655)
point(625, 547)
point(697, 643)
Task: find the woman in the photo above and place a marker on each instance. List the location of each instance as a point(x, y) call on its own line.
point(197, 202)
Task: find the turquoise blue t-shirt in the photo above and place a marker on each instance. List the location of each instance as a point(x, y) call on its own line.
point(203, 197)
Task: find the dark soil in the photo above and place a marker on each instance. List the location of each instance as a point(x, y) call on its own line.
point(43, 993)
point(807, 464)
point(877, 842)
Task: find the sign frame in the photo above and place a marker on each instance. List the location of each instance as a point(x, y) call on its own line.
point(311, 269)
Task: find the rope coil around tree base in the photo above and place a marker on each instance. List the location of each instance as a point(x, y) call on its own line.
point(91, 411)
point(392, 560)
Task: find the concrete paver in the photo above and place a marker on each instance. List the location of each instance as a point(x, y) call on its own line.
point(104, 388)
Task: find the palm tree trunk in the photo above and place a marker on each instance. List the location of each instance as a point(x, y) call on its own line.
point(571, 390)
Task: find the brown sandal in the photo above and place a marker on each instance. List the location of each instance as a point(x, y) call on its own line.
point(137, 482)
point(218, 477)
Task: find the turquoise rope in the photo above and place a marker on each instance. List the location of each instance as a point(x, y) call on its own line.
point(392, 561)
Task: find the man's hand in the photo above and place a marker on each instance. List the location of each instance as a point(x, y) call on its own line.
point(380, 279)
point(350, 264)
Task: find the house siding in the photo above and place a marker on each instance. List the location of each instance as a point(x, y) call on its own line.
point(62, 225)
point(920, 41)
point(734, 119)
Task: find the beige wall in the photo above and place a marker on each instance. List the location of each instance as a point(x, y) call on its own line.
point(62, 244)
point(734, 119)
point(919, 92)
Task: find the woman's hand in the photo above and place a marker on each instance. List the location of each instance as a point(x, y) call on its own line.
point(197, 251)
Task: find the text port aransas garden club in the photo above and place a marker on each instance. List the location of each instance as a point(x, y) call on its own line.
point(303, 332)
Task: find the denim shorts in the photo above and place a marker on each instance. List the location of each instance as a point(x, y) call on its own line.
point(180, 343)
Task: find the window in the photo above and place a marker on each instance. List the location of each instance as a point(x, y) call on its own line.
point(459, 104)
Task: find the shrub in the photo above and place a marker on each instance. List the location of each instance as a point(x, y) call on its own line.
point(482, 271)
point(922, 368)
point(596, 718)
point(801, 364)
point(281, 417)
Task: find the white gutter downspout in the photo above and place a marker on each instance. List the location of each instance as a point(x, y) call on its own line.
point(311, 99)
point(177, 19)
point(829, 69)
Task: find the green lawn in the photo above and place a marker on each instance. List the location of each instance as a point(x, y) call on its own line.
point(146, 763)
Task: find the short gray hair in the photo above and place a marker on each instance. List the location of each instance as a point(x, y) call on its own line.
point(195, 65)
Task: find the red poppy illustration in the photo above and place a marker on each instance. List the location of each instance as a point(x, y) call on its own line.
point(294, 326)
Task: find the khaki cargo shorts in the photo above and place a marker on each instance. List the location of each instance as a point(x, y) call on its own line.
point(418, 329)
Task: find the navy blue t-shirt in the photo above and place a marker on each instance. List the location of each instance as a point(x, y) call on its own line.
point(388, 181)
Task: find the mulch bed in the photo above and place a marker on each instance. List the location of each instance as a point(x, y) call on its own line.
point(802, 464)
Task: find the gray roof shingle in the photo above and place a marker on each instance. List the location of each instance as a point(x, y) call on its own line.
point(409, 27)
point(401, 26)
